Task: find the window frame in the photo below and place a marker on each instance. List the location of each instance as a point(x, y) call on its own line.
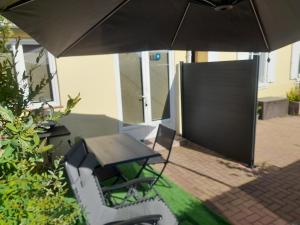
point(267, 70)
point(20, 68)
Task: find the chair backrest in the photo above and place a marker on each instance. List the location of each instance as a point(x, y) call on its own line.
point(165, 137)
point(79, 166)
point(91, 198)
point(74, 158)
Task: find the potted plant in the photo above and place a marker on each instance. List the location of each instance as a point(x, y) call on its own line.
point(294, 101)
point(258, 112)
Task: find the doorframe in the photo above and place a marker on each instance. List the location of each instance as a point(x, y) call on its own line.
point(146, 89)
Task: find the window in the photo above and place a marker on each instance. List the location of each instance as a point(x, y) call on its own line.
point(145, 86)
point(159, 85)
point(213, 56)
point(267, 66)
point(26, 55)
point(295, 66)
point(244, 55)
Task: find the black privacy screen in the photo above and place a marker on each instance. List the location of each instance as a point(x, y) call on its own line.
point(219, 107)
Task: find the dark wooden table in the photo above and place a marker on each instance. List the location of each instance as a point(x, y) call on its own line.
point(118, 149)
point(57, 131)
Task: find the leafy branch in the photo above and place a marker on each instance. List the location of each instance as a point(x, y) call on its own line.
point(14, 86)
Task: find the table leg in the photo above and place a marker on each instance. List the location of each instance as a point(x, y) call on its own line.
point(142, 168)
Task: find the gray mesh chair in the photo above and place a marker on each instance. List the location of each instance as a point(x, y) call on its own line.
point(164, 137)
point(90, 196)
point(78, 157)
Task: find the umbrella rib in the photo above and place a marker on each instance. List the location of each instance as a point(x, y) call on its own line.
point(17, 4)
point(110, 14)
point(260, 24)
point(208, 2)
point(180, 24)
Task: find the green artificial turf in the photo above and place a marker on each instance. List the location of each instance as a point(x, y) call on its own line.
point(188, 209)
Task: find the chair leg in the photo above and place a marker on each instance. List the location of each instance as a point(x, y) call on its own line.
point(142, 168)
point(120, 176)
point(159, 175)
point(151, 170)
point(165, 182)
point(116, 180)
point(123, 178)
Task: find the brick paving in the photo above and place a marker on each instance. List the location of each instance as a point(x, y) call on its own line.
point(268, 194)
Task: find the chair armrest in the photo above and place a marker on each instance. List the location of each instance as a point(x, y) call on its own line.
point(134, 182)
point(150, 219)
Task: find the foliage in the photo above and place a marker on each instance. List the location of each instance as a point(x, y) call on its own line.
point(5, 32)
point(258, 109)
point(33, 198)
point(30, 193)
point(56, 115)
point(20, 141)
point(294, 94)
point(14, 94)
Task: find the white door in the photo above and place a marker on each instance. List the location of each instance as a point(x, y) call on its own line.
point(145, 93)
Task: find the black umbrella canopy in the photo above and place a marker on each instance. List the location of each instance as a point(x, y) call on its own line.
point(85, 27)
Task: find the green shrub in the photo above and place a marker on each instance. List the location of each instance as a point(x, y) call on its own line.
point(258, 109)
point(12, 93)
point(294, 94)
point(30, 193)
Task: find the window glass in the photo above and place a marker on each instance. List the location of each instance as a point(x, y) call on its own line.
point(132, 88)
point(295, 68)
point(263, 67)
point(298, 64)
point(244, 55)
point(159, 85)
point(31, 52)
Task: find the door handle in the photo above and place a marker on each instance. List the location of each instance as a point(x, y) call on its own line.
point(144, 99)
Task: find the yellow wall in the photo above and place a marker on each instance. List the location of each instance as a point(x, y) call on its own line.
point(201, 56)
point(227, 56)
point(93, 77)
point(282, 83)
point(222, 56)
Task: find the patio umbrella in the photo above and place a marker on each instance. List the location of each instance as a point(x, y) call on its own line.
point(84, 27)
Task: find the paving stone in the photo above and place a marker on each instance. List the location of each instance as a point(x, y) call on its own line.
point(268, 194)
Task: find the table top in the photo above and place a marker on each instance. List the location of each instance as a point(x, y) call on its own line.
point(118, 149)
point(57, 131)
